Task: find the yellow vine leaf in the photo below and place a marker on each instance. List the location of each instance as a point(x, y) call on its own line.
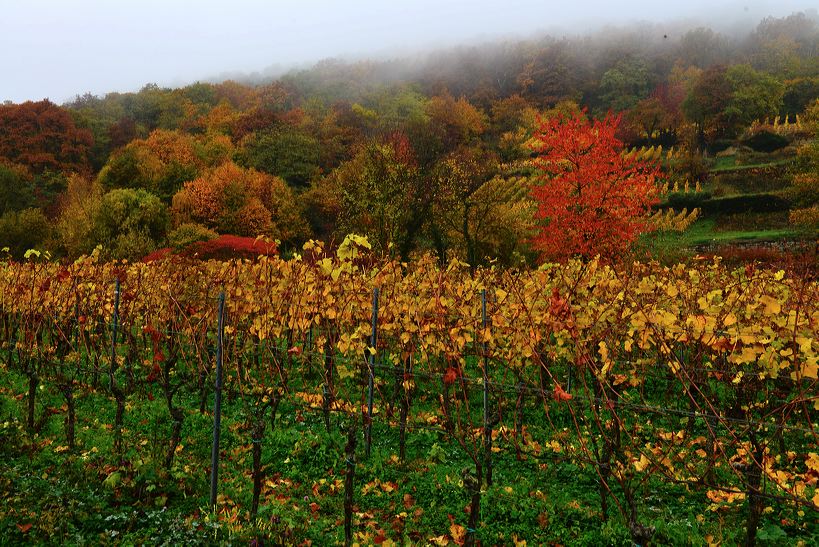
point(812, 461)
point(642, 463)
point(772, 306)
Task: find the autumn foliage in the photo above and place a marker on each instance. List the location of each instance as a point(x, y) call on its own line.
point(591, 199)
point(41, 136)
point(240, 201)
point(225, 247)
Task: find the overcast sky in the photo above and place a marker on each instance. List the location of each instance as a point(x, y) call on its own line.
point(59, 48)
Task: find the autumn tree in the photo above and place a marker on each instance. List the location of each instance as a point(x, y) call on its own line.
point(164, 161)
point(244, 202)
point(591, 199)
point(384, 195)
point(455, 122)
point(78, 206)
point(512, 121)
point(705, 104)
point(42, 136)
point(479, 214)
point(322, 206)
point(550, 73)
point(657, 118)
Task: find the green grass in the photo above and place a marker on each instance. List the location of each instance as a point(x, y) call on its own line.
point(729, 163)
point(544, 497)
point(703, 232)
point(724, 163)
point(674, 246)
point(83, 497)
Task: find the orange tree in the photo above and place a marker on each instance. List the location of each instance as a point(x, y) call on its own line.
point(592, 200)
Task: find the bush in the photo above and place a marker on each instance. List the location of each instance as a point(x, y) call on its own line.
point(753, 203)
point(688, 200)
point(189, 233)
point(755, 179)
point(720, 145)
point(227, 247)
point(130, 223)
point(24, 230)
point(766, 141)
point(806, 219)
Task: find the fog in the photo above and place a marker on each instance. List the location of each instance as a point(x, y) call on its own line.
point(60, 48)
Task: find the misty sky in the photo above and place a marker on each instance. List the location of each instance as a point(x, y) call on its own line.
point(59, 48)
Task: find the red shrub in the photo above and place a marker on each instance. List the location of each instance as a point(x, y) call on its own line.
point(224, 247)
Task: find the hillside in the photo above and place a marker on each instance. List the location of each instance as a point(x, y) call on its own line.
point(306, 155)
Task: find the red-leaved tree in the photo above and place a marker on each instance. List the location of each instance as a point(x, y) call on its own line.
point(592, 200)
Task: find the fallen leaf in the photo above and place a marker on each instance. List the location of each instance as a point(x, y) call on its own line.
point(561, 395)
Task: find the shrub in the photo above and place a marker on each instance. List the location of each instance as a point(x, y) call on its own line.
point(755, 203)
point(226, 247)
point(189, 233)
point(687, 200)
point(754, 179)
point(24, 230)
point(766, 141)
point(807, 218)
point(720, 145)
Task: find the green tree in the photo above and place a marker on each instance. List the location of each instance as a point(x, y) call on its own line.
point(129, 223)
point(15, 192)
point(625, 84)
point(24, 230)
point(384, 196)
point(754, 95)
point(290, 154)
point(702, 47)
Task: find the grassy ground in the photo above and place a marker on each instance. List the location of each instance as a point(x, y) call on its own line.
point(674, 246)
point(729, 163)
point(705, 232)
point(49, 494)
point(720, 231)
